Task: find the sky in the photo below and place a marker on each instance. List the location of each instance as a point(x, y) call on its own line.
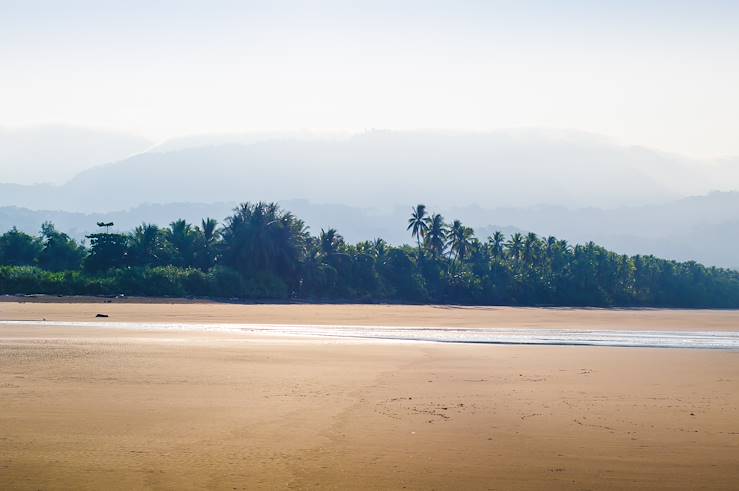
point(660, 74)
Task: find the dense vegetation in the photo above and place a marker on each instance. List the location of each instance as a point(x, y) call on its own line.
point(263, 252)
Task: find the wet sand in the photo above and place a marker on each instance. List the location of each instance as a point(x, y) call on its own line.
point(98, 408)
point(148, 310)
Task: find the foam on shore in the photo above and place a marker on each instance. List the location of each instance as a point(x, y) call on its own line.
point(478, 335)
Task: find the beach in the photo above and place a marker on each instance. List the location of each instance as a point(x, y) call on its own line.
point(165, 310)
point(92, 407)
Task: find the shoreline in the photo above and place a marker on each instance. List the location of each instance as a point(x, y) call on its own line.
point(521, 336)
point(420, 316)
point(126, 299)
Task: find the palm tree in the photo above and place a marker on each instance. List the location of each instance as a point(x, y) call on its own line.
point(460, 239)
point(550, 243)
point(330, 241)
point(515, 245)
point(563, 246)
point(436, 234)
point(417, 224)
point(207, 238)
point(210, 230)
point(182, 237)
point(530, 247)
point(260, 237)
point(147, 245)
point(380, 247)
point(364, 248)
point(180, 228)
point(496, 244)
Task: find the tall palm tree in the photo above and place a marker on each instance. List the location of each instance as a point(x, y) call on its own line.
point(210, 230)
point(330, 241)
point(459, 239)
point(180, 228)
point(182, 237)
point(260, 237)
point(380, 247)
point(365, 248)
point(146, 245)
point(436, 235)
point(515, 246)
point(207, 242)
point(496, 244)
point(417, 224)
point(563, 246)
point(179, 231)
point(550, 243)
point(530, 247)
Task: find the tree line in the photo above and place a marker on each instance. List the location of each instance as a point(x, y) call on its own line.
point(264, 252)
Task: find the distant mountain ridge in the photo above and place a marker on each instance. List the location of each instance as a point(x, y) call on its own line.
point(55, 153)
point(386, 168)
point(574, 185)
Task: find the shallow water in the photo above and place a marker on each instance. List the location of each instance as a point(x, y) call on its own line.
point(479, 335)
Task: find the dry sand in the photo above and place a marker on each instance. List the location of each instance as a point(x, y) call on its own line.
point(101, 409)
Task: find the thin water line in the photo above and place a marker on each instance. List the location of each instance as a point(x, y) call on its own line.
point(721, 340)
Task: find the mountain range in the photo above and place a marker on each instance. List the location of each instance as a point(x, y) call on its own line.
point(55, 153)
point(385, 168)
point(574, 185)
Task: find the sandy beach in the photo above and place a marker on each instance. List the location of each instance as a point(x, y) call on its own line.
point(84, 408)
point(163, 310)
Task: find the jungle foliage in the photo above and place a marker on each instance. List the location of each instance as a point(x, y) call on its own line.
point(263, 252)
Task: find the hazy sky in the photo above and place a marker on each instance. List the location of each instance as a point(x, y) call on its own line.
point(663, 74)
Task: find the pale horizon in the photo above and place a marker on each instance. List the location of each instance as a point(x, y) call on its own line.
point(633, 72)
point(338, 133)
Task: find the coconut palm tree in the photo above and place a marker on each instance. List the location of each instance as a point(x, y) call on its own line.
point(330, 241)
point(182, 236)
point(515, 246)
point(496, 244)
point(564, 247)
point(436, 235)
point(418, 224)
point(549, 245)
point(380, 247)
point(210, 231)
point(207, 242)
point(147, 246)
point(459, 239)
point(180, 228)
point(261, 238)
point(530, 247)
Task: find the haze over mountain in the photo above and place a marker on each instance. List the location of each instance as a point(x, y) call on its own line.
point(382, 169)
point(55, 153)
point(575, 185)
point(246, 138)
